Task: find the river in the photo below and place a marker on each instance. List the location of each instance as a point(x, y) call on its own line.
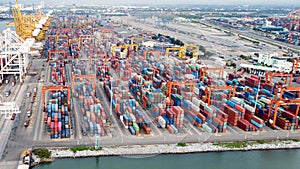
point(275, 159)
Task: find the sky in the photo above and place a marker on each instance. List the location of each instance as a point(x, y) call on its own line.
point(200, 2)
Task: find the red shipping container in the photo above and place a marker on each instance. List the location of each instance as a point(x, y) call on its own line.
point(239, 108)
point(201, 116)
point(49, 121)
point(257, 119)
point(55, 117)
point(146, 129)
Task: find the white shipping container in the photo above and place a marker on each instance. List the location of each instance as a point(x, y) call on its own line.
point(196, 101)
point(265, 100)
point(121, 118)
point(92, 108)
point(202, 103)
point(202, 88)
point(237, 100)
point(194, 107)
point(161, 121)
point(56, 107)
point(249, 108)
point(196, 91)
point(99, 128)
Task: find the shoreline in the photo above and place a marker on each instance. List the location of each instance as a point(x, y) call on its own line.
point(150, 150)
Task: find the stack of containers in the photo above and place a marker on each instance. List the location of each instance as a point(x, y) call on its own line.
point(58, 115)
point(251, 81)
point(58, 76)
point(192, 111)
point(144, 92)
point(209, 118)
point(242, 115)
point(216, 119)
point(102, 71)
point(286, 120)
point(158, 110)
point(172, 120)
point(94, 117)
point(127, 109)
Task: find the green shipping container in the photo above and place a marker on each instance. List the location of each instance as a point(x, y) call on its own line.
point(135, 126)
point(262, 104)
point(265, 91)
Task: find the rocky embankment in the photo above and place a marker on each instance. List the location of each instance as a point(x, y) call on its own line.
point(169, 149)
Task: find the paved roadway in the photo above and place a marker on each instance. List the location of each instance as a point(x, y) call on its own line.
point(7, 124)
point(20, 137)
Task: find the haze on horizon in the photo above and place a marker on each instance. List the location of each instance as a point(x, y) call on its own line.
point(158, 2)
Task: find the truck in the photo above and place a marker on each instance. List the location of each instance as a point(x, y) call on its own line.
point(83, 130)
point(7, 93)
point(26, 122)
point(29, 113)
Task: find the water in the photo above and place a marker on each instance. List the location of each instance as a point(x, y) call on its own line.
point(277, 159)
point(3, 25)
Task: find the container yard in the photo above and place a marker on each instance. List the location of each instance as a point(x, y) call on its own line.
point(100, 81)
point(146, 86)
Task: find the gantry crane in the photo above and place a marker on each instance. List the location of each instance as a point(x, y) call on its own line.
point(204, 70)
point(208, 91)
point(125, 47)
point(56, 88)
point(170, 85)
point(181, 52)
point(194, 49)
point(152, 51)
point(21, 29)
point(30, 26)
point(270, 75)
point(85, 77)
point(279, 101)
point(73, 40)
point(63, 52)
point(140, 39)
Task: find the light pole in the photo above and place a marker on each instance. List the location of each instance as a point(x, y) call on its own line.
point(111, 95)
point(258, 89)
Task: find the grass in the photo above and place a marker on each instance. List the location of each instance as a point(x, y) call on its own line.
point(82, 148)
point(181, 144)
point(42, 153)
point(243, 144)
point(240, 144)
point(261, 141)
point(96, 149)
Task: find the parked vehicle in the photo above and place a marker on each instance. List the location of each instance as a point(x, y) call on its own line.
point(26, 123)
point(7, 93)
point(13, 116)
point(29, 113)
